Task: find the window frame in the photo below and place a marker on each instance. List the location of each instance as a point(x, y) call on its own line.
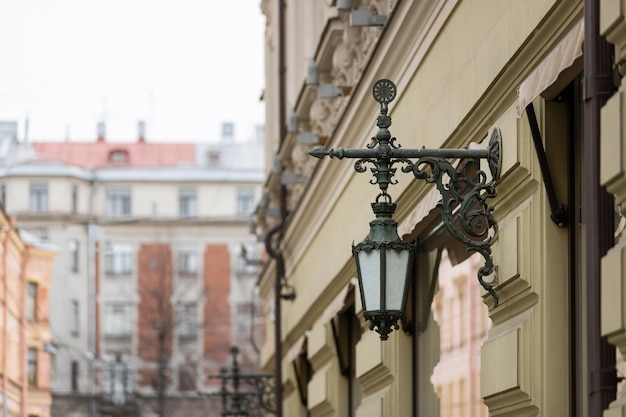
point(118, 202)
point(32, 292)
point(74, 199)
point(187, 202)
point(187, 262)
point(32, 366)
point(245, 202)
point(74, 374)
point(38, 193)
point(117, 319)
point(187, 319)
point(118, 259)
point(74, 319)
point(74, 247)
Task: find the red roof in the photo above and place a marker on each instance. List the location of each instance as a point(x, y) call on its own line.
point(104, 154)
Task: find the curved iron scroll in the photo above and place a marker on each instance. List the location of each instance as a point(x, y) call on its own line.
point(463, 206)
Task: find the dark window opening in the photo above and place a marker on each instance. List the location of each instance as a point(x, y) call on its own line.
point(32, 366)
point(74, 370)
point(31, 301)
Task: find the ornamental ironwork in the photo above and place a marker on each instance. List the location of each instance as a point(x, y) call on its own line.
point(456, 173)
point(242, 394)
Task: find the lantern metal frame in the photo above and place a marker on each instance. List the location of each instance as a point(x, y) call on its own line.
point(384, 238)
point(463, 186)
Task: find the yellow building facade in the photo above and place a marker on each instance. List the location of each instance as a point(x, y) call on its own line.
point(26, 269)
point(462, 69)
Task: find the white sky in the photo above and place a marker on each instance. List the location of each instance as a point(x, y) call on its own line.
point(182, 66)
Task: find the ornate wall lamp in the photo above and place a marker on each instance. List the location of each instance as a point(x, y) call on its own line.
point(384, 261)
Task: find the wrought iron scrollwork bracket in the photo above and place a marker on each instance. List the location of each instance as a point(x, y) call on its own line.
point(456, 173)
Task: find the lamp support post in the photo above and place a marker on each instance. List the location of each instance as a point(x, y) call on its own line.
point(466, 215)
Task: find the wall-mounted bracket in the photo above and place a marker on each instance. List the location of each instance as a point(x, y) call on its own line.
point(559, 211)
point(464, 189)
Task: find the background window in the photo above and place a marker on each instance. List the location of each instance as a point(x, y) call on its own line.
point(118, 156)
point(74, 321)
point(187, 203)
point(74, 199)
point(74, 370)
point(187, 319)
point(187, 261)
point(118, 202)
point(245, 202)
point(39, 198)
point(213, 158)
point(187, 377)
point(117, 319)
point(118, 258)
point(245, 317)
point(74, 256)
point(32, 367)
point(31, 302)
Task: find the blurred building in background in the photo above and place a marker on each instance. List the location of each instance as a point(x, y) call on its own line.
point(25, 272)
point(150, 288)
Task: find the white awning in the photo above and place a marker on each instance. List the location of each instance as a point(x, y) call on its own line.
point(562, 57)
point(421, 211)
point(338, 303)
point(295, 349)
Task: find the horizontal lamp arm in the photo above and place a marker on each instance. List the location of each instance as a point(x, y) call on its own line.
point(341, 153)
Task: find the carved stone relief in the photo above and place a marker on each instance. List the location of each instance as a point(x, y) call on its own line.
point(345, 52)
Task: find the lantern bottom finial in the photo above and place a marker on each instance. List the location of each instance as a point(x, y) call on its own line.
point(384, 323)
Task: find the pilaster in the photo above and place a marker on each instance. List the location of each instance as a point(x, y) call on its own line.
point(613, 176)
point(525, 357)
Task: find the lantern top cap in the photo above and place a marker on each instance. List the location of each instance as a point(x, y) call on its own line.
point(383, 209)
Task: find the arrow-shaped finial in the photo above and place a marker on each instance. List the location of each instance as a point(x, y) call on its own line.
point(319, 153)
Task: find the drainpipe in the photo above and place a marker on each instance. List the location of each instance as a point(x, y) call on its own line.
point(274, 252)
point(278, 351)
point(598, 64)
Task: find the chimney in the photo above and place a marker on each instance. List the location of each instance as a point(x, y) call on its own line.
point(141, 132)
point(101, 131)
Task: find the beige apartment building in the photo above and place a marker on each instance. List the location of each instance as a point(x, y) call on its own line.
point(543, 75)
point(150, 289)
